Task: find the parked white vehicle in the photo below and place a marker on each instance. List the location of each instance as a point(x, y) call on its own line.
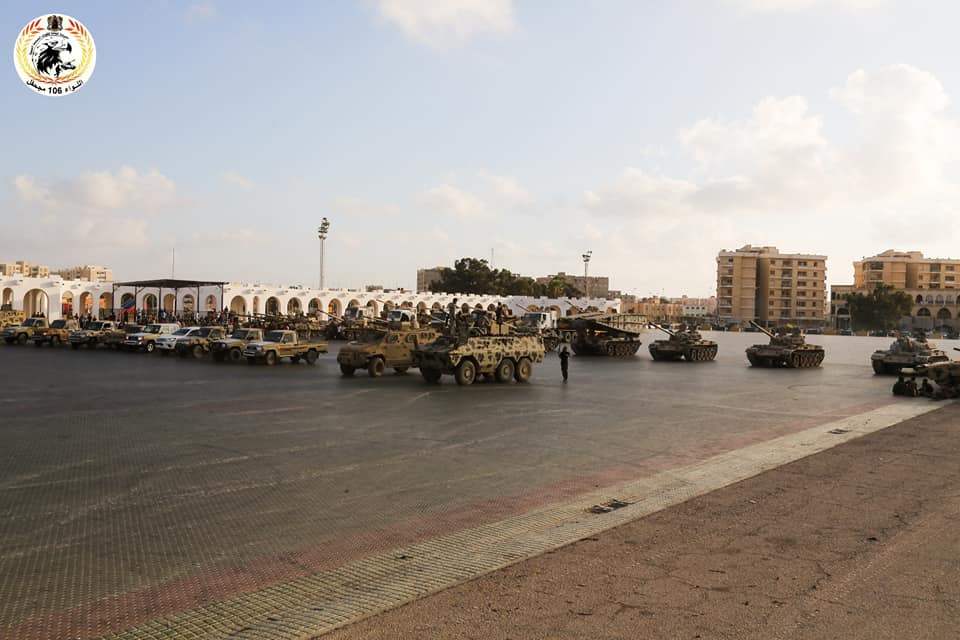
point(146, 340)
point(167, 344)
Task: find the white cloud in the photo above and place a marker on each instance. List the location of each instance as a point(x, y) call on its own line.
point(508, 192)
point(779, 159)
point(98, 192)
point(793, 6)
point(200, 11)
point(444, 23)
point(447, 199)
point(237, 180)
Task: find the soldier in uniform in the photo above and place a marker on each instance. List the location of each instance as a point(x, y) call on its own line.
point(564, 353)
point(900, 386)
point(926, 389)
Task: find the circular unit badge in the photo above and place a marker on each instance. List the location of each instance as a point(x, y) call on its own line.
point(54, 55)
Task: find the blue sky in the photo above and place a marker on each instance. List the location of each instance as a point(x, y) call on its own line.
point(652, 133)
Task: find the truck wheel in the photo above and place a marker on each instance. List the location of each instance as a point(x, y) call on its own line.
point(311, 356)
point(22, 338)
point(524, 370)
point(347, 370)
point(74, 345)
point(505, 370)
point(197, 351)
point(150, 347)
point(235, 354)
point(466, 373)
point(376, 367)
point(431, 375)
point(270, 358)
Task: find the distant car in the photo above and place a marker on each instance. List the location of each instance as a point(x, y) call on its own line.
point(846, 332)
point(814, 331)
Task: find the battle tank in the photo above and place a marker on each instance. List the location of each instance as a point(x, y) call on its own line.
point(598, 334)
point(685, 343)
point(784, 350)
point(906, 353)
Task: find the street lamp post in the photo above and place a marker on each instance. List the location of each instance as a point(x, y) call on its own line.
point(586, 284)
point(322, 234)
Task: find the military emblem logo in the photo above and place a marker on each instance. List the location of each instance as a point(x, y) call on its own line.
point(55, 55)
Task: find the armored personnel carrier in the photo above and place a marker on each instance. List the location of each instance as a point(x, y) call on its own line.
point(598, 334)
point(685, 343)
point(906, 353)
point(465, 357)
point(784, 350)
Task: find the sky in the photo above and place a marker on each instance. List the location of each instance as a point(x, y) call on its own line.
point(525, 132)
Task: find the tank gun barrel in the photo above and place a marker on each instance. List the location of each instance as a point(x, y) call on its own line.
point(667, 331)
point(763, 329)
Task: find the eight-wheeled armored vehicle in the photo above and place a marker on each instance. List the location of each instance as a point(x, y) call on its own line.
point(466, 356)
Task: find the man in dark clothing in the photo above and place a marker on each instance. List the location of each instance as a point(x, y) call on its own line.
point(500, 318)
point(564, 353)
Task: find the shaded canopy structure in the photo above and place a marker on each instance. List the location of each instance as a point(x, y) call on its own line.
point(170, 285)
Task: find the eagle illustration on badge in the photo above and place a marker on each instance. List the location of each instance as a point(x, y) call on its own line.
point(55, 55)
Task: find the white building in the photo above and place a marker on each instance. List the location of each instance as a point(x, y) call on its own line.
point(54, 296)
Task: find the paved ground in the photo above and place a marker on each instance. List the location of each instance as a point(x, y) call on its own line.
point(860, 541)
point(134, 487)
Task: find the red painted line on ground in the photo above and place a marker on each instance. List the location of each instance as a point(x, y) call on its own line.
point(121, 611)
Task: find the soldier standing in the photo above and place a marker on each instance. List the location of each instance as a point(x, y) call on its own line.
point(500, 318)
point(564, 353)
point(452, 314)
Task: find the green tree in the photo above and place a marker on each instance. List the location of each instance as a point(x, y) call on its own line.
point(472, 275)
point(882, 308)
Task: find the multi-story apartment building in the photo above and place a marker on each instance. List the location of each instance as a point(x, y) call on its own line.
point(86, 273)
point(592, 286)
point(21, 268)
point(773, 288)
point(932, 283)
point(426, 277)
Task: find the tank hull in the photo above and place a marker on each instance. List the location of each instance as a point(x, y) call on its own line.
point(804, 357)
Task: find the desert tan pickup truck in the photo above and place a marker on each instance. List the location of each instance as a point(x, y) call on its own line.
point(283, 344)
point(232, 348)
point(93, 334)
point(56, 334)
point(25, 331)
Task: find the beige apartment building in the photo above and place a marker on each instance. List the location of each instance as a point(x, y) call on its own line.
point(87, 273)
point(932, 283)
point(590, 286)
point(426, 277)
point(773, 288)
point(25, 269)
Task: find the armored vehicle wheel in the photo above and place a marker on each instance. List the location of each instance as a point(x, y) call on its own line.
point(524, 370)
point(311, 357)
point(150, 347)
point(197, 351)
point(796, 360)
point(505, 370)
point(346, 369)
point(55, 341)
point(235, 354)
point(400, 370)
point(219, 356)
point(270, 358)
point(375, 367)
point(466, 373)
point(22, 338)
point(74, 345)
point(431, 375)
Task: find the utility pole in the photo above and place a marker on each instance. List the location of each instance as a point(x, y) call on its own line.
point(586, 283)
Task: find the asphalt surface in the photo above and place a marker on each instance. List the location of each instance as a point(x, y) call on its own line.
point(191, 481)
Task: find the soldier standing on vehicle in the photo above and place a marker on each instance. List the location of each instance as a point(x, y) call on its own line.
point(452, 314)
point(500, 318)
point(564, 353)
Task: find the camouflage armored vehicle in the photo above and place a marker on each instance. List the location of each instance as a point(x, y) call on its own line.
point(377, 350)
point(11, 318)
point(906, 353)
point(499, 357)
point(24, 331)
point(784, 350)
point(232, 348)
point(945, 374)
point(686, 343)
point(283, 344)
point(56, 334)
point(93, 334)
point(598, 334)
point(197, 343)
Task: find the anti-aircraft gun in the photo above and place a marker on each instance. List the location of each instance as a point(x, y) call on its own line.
point(685, 343)
point(786, 349)
point(599, 334)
